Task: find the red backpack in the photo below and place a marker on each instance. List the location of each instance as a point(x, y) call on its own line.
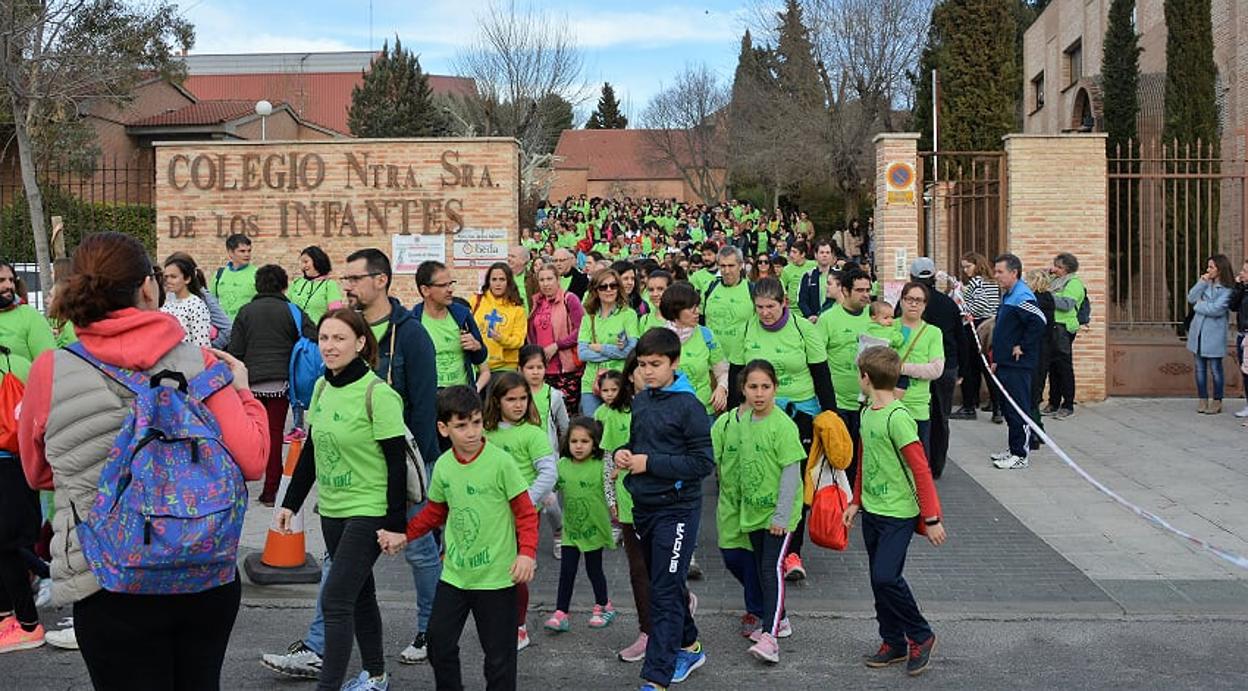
point(11, 390)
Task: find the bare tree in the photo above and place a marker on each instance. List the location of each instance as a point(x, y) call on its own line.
point(529, 73)
point(686, 130)
point(58, 57)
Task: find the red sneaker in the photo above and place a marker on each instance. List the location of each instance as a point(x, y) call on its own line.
point(793, 569)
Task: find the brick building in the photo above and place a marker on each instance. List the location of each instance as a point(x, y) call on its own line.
point(617, 163)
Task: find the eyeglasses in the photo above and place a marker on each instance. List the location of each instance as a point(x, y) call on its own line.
point(764, 261)
point(608, 286)
point(914, 301)
point(443, 284)
point(352, 280)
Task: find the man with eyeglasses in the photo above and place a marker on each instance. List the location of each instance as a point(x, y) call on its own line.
point(405, 360)
point(571, 279)
point(457, 341)
point(727, 304)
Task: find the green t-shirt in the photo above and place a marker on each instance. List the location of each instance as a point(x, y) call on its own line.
point(64, 334)
point(918, 396)
point(791, 350)
point(839, 330)
point(728, 310)
point(727, 441)
point(586, 519)
point(887, 484)
point(616, 426)
point(650, 320)
point(772, 444)
point(697, 233)
point(541, 399)
point(524, 294)
point(1074, 290)
point(350, 466)
point(606, 330)
point(791, 278)
point(234, 287)
point(525, 443)
point(698, 354)
point(20, 366)
point(448, 351)
point(314, 297)
point(700, 279)
point(480, 529)
point(380, 328)
point(25, 332)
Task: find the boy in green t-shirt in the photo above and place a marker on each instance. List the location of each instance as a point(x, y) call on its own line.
point(235, 283)
point(477, 493)
point(896, 495)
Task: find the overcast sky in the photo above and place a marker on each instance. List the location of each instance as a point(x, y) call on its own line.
point(637, 45)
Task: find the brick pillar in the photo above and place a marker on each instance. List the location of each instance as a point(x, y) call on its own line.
point(896, 225)
point(1057, 203)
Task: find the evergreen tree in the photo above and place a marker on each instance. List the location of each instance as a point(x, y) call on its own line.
point(978, 73)
point(607, 115)
point(797, 71)
point(394, 99)
point(933, 58)
point(1120, 77)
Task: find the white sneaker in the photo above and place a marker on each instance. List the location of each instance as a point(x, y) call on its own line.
point(1243, 412)
point(1011, 462)
point(65, 639)
point(44, 595)
point(558, 547)
point(522, 638)
point(1000, 456)
point(417, 652)
point(299, 661)
point(785, 630)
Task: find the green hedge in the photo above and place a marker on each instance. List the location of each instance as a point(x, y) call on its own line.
point(81, 218)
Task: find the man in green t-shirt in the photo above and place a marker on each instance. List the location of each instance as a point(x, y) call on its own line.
point(728, 306)
point(840, 327)
point(703, 277)
point(1068, 295)
point(235, 283)
point(518, 260)
point(791, 275)
point(457, 342)
point(23, 330)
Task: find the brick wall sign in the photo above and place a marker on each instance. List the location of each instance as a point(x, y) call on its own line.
point(397, 195)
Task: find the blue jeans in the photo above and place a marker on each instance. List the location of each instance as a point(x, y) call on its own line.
point(589, 403)
point(1205, 366)
point(925, 437)
point(422, 555)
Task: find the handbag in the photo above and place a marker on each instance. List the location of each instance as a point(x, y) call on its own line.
point(827, 510)
point(417, 476)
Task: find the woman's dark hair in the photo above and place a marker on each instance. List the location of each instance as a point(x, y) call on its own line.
point(678, 297)
point(1226, 275)
point(623, 266)
point(528, 352)
point(320, 260)
point(199, 273)
point(359, 327)
point(769, 288)
point(624, 401)
point(271, 278)
point(758, 366)
point(108, 271)
point(591, 427)
point(927, 293)
point(512, 293)
point(499, 386)
point(188, 270)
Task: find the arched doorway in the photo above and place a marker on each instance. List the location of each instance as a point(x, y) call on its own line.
point(1083, 117)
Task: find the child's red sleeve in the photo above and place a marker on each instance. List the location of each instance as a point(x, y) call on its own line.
point(432, 516)
point(924, 486)
point(857, 498)
point(526, 524)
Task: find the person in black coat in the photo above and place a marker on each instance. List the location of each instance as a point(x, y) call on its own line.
point(572, 279)
point(264, 334)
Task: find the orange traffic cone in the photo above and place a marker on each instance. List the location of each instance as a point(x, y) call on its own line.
point(284, 559)
point(285, 550)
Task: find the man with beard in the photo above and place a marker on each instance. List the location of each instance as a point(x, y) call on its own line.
point(23, 330)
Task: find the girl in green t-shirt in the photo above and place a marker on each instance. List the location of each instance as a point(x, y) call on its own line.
point(511, 421)
point(585, 485)
point(553, 412)
point(770, 497)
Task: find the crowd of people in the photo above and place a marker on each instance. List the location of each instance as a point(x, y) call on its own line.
point(624, 352)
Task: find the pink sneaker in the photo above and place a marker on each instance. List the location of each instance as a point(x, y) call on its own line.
point(602, 617)
point(14, 637)
point(296, 434)
point(635, 652)
point(558, 622)
point(766, 649)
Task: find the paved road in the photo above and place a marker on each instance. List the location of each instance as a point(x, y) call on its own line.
point(971, 654)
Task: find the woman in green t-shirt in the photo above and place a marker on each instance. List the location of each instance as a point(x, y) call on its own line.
point(922, 359)
point(608, 334)
point(355, 452)
point(314, 291)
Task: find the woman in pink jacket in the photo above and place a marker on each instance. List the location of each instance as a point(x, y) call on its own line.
point(554, 324)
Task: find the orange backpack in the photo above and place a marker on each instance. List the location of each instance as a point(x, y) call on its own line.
point(11, 390)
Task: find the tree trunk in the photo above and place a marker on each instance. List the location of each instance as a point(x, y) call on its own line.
point(34, 196)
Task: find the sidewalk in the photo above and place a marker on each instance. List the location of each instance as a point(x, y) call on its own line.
point(1159, 454)
point(1039, 542)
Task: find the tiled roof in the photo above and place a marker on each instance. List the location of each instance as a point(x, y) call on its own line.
point(208, 112)
point(613, 155)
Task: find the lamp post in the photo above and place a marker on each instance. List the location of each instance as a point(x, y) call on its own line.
point(264, 109)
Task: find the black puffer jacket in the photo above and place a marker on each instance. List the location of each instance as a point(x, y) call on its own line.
point(263, 336)
point(1239, 305)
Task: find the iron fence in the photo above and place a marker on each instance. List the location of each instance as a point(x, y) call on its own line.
point(964, 205)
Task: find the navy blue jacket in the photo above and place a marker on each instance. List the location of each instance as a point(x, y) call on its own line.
point(808, 294)
point(1020, 322)
point(412, 371)
point(463, 317)
point(671, 427)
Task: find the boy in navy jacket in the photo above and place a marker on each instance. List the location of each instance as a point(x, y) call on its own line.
point(668, 455)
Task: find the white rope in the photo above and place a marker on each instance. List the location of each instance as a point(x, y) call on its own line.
point(1228, 556)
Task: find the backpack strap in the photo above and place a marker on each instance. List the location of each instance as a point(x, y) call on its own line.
point(210, 381)
point(295, 314)
point(135, 382)
point(216, 282)
point(368, 398)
